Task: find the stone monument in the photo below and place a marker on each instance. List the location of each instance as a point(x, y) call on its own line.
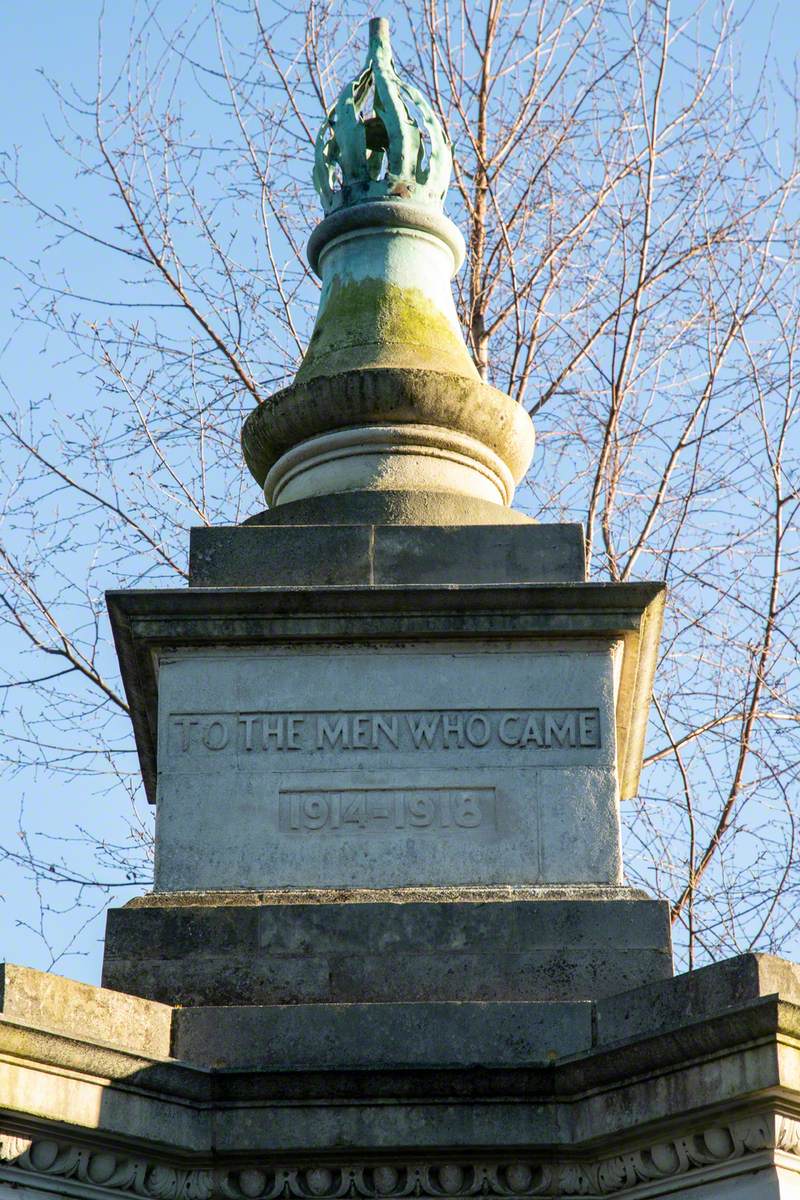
point(390, 950)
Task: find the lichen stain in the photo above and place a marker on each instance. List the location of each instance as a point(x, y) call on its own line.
point(385, 317)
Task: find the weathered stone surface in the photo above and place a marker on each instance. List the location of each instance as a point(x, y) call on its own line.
point(705, 1102)
point(746, 1157)
point(390, 394)
point(287, 953)
point(396, 456)
point(242, 556)
point(149, 625)
point(215, 897)
point(389, 765)
point(379, 555)
point(381, 1036)
point(51, 1002)
point(696, 996)
point(390, 507)
point(743, 1158)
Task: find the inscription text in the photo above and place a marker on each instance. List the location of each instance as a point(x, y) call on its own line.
point(385, 810)
point(405, 731)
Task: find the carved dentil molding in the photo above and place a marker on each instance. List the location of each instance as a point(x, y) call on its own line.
point(116, 1173)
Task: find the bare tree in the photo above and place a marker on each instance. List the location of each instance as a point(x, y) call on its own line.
point(632, 279)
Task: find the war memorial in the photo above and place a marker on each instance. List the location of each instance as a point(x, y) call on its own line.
point(390, 951)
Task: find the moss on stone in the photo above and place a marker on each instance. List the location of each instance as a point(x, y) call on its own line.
point(373, 322)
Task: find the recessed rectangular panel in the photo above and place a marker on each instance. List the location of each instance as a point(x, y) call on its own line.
point(319, 812)
point(387, 766)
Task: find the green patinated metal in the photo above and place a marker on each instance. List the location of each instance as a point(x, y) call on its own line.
point(387, 348)
point(362, 155)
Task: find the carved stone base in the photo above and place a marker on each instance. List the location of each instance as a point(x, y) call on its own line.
point(395, 457)
point(754, 1157)
point(684, 1088)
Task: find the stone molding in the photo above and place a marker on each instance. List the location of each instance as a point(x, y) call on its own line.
point(147, 623)
point(386, 395)
point(42, 1161)
point(386, 214)
point(466, 894)
point(408, 456)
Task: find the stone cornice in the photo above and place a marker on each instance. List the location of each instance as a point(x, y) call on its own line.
point(69, 1168)
point(147, 622)
point(631, 1062)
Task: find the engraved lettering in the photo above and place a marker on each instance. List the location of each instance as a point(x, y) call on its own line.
point(363, 812)
point(388, 727)
point(354, 811)
point(587, 726)
point(477, 729)
point(453, 725)
point(216, 740)
point(379, 807)
point(333, 730)
point(293, 724)
point(361, 733)
point(248, 722)
point(315, 812)
point(508, 729)
point(185, 724)
point(467, 812)
point(423, 727)
point(420, 811)
point(560, 729)
point(532, 732)
point(272, 727)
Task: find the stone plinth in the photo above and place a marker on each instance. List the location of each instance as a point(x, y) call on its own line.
point(395, 777)
point(556, 945)
point(412, 786)
point(384, 555)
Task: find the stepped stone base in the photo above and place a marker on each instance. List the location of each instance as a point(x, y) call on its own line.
point(286, 953)
point(684, 1088)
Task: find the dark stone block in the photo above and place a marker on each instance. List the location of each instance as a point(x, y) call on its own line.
point(515, 950)
point(249, 556)
point(384, 555)
point(380, 1036)
point(696, 996)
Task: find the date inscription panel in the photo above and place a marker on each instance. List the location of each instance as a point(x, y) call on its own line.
point(376, 811)
point(387, 766)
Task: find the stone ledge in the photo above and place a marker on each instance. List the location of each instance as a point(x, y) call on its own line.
point(387, 1036)
point(758, 1147)
point(64, 1006)
point(499, 894)
point(722, 986)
